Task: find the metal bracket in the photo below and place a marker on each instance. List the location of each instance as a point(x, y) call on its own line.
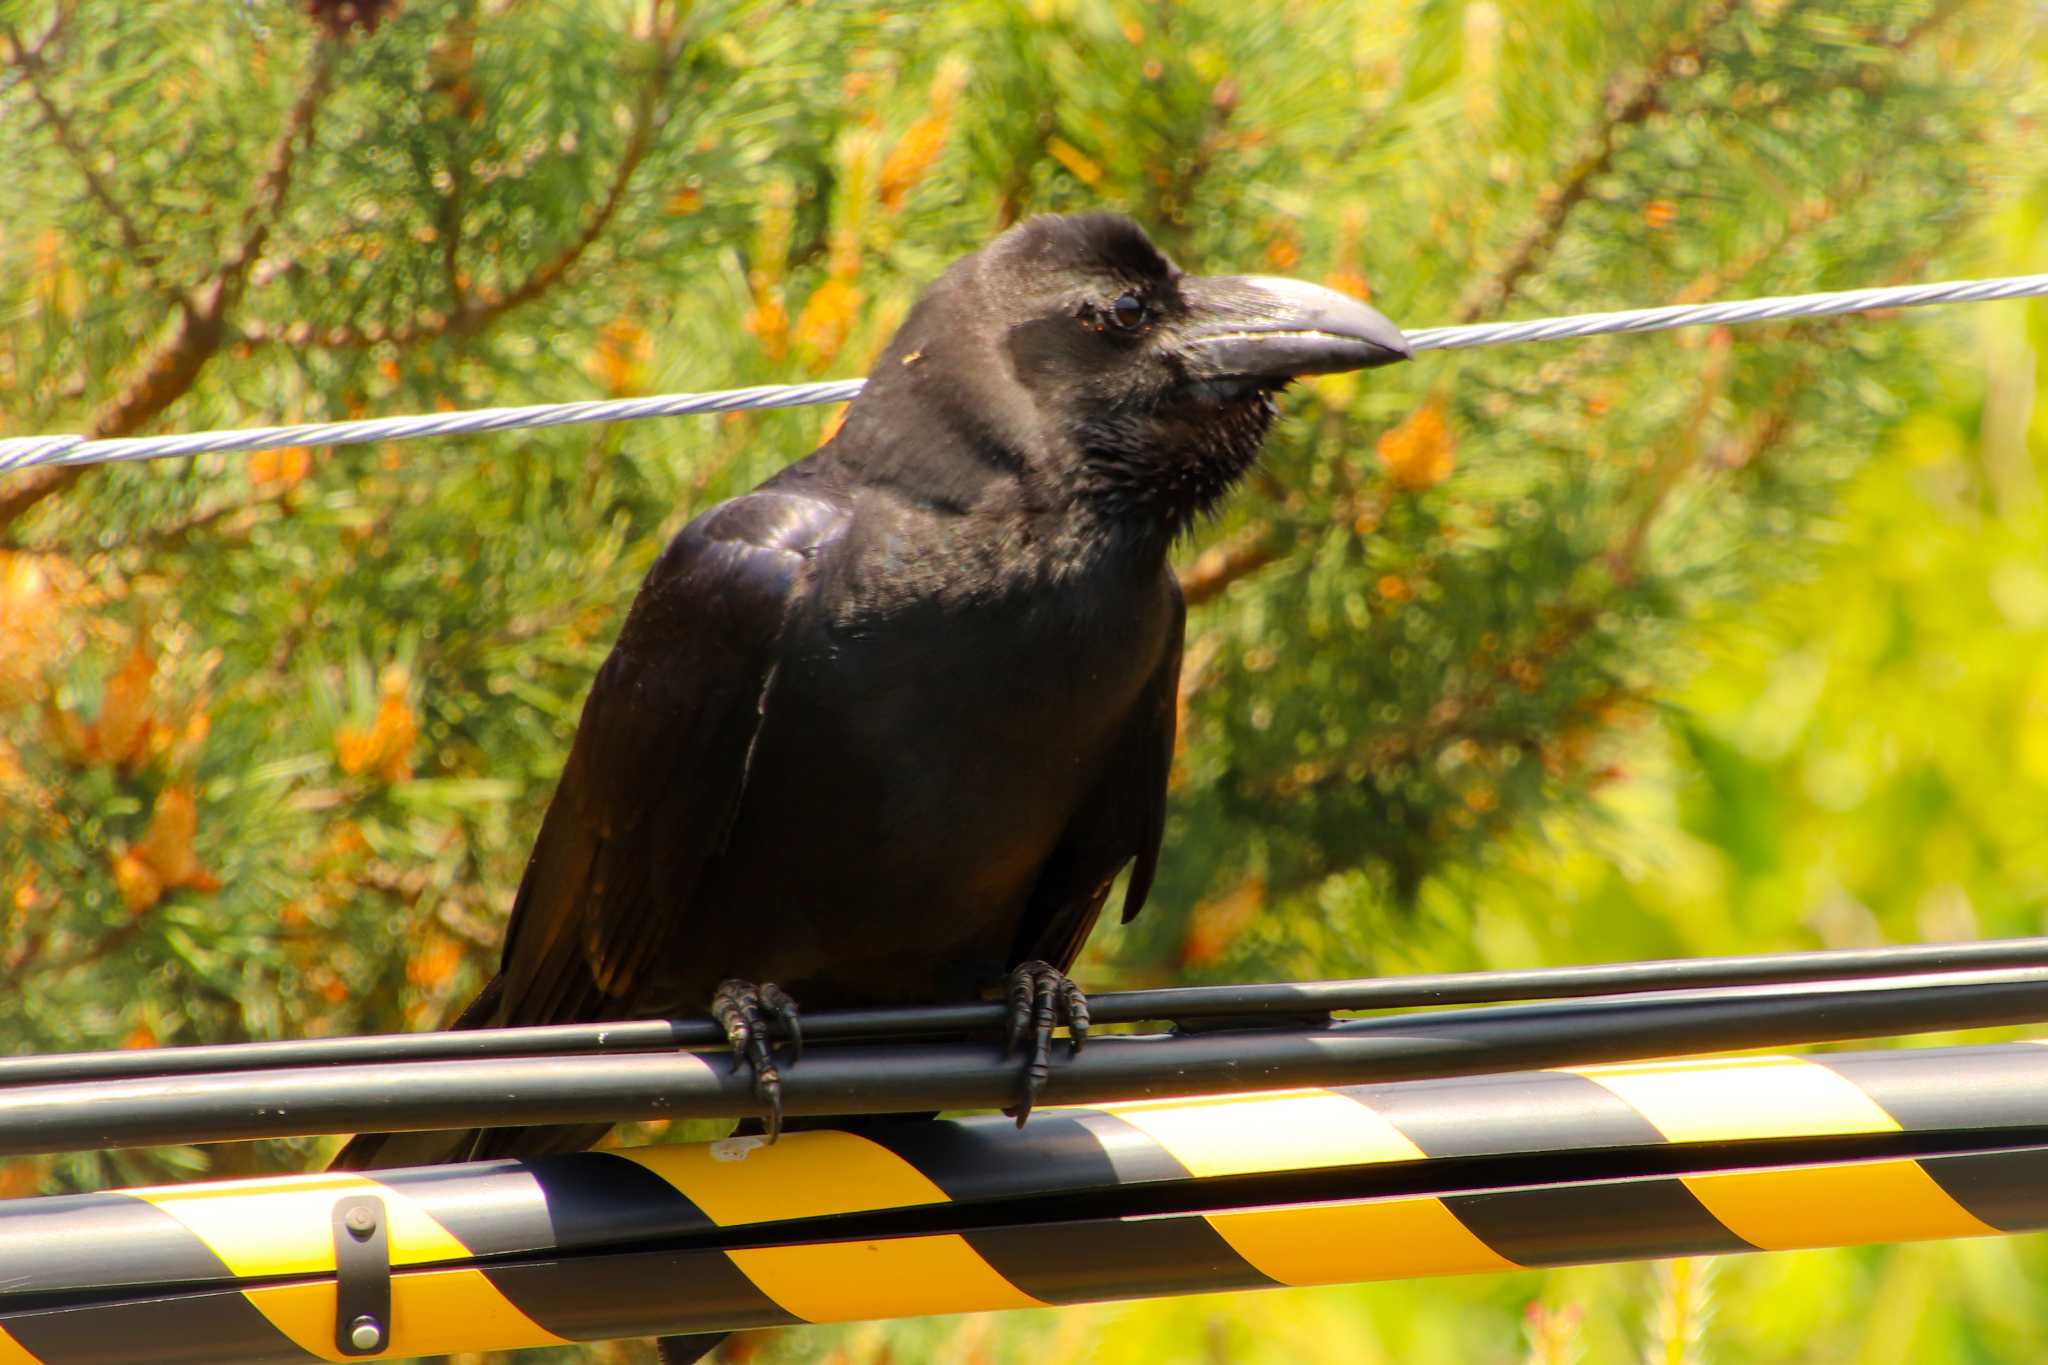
point(362, 1276)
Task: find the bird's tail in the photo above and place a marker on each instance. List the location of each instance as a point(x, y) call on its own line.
point(381, 1151)
point(374, 1151)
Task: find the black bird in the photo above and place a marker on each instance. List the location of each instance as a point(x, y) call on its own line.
point(884, 730)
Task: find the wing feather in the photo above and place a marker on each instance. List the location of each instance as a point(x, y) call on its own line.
point(659, 762)
point(1122, 821)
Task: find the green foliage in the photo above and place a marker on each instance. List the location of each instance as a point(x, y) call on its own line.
point(1707, 642)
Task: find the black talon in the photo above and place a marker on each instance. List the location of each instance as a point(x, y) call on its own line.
point(1020, 1010)
point(782, 1011)
point(1040, 997)
point(1044, 1014)
point(745, 1011)
point(768, 1090)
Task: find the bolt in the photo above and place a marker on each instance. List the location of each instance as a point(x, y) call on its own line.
point(360, 1220)
point(366, 1333)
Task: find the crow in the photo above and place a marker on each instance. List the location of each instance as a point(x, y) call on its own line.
point(885, 730)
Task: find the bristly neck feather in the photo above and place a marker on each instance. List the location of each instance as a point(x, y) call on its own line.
point(1154, 476)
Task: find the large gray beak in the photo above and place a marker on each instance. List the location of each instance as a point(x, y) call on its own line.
point(1269, 329)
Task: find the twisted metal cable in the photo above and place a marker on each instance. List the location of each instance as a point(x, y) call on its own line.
point(1738, 311)
point(27, 452)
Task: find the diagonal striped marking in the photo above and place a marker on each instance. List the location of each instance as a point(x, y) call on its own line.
point(1524, 1111)
point(1115, 1258)
point(13, 1352)
point(1379, 1239)
point(284, 1225)
point(1057, 1152)
point(623, 1294)
point(529, 1206)
point(1267, 1131)
point(1732, 1098)
point(1875, 1201)
point(898, 1277)
point(1999, 1086)
point(2008, 1190)
point(805, 1175)
point(201, 1328)
point(1578, 1223)
point(433, 1312)
point(91, 1241)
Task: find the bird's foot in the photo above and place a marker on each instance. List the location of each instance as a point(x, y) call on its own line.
point(747, 1012)
point(1040, 997)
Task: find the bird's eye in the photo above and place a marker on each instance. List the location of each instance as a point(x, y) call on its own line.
point(1128, 311)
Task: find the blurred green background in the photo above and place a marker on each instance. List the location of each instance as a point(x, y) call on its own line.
point(1717, 641)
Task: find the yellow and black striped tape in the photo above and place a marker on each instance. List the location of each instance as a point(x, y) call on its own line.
point(1131, 1200)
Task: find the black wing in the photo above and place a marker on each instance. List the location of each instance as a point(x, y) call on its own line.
point(1123, 819)
point(659, 761)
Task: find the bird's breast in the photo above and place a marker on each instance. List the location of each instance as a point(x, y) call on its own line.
point(916, 768)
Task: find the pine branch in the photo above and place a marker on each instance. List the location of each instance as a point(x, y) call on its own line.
point(169, 373)
point(1011, 202)
point(1934, 19)
point(101, 948)
point(27, 59)
point(1624, 557)
point(472, 313)
point(1217, 567)
point(1449, 719)
point(1770, 428)
point(449, 225)
point(23, 55)
point(1849, 187)
point(1629, 102)
point(27, 954)
point(1454, 715)
point(235, 518)
point(1267, 543)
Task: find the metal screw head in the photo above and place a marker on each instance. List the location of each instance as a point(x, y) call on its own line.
point(360, 1221)
point(366, 1333)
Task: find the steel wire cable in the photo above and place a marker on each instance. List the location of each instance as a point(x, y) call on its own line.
point(29, 452)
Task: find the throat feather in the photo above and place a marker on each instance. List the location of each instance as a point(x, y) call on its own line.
point(1169, 471)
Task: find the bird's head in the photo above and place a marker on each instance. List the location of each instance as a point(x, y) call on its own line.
point(1074, 349)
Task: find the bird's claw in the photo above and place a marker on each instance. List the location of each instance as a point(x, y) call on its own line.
point(1041, 996)
point(747, 1013)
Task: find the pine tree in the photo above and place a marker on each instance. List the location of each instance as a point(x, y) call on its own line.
point(275, 731)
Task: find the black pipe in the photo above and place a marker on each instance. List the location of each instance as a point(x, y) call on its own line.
point(1286, 1001)
point(913, 1077)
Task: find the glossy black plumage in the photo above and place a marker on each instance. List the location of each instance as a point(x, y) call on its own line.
point(892, 723)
